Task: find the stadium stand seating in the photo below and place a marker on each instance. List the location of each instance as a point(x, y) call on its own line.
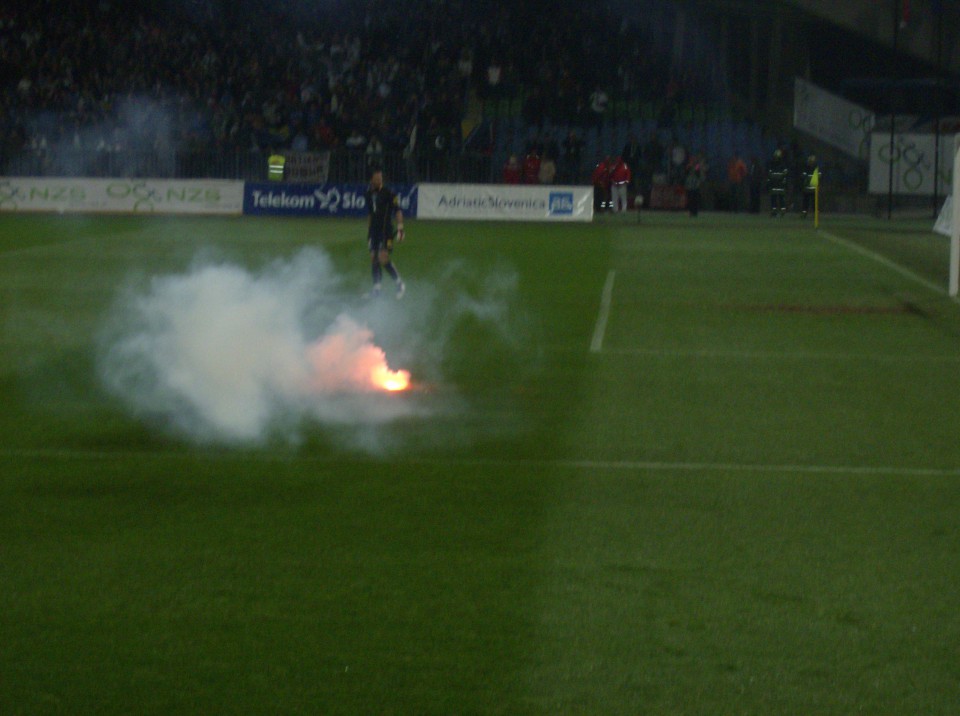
point(110, 77)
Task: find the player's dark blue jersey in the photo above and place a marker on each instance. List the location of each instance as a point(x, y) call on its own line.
point(382, 205)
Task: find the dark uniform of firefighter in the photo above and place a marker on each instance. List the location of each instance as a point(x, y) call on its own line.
point(777, 175)
point(809, 189)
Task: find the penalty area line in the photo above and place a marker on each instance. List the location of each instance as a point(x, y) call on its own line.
point(600, 328)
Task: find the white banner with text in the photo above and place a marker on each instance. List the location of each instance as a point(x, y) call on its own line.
point(122, 196)
point(914, 165)
point(832, 119)
point(501, 202)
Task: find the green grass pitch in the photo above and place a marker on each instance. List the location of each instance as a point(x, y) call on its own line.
point(739, 495)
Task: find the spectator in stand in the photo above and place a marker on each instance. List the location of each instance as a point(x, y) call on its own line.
point(619, 184)
point(693, 183)
point(512, 173)
point(678, 163)
point(572, 158)
point(601, 185)
point(579, 113)
point(653, 154)
point(300, 142)
point(374, 152)
point(436, 145)
point(548, 170)
point(465, 69)
point(494, 79)
point(652, 165)
point(535, 109)
point(531, 166)
point(599, 103)
point(356, 143)
point(410, 153)
point(323, 135)
point(633, 155)
point(551, 149)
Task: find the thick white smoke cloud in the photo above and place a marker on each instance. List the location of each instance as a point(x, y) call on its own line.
point(222, 354)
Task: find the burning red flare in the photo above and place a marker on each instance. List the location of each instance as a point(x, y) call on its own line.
point(347, 360)
point(391, 380)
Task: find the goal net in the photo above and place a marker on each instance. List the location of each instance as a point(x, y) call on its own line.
point(948, 222)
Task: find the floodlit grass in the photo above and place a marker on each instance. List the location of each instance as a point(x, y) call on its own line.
point(747, 501)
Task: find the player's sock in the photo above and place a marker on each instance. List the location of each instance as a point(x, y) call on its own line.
point(377, 272)
point(392, 270)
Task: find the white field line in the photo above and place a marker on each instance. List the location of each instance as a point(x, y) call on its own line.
point(766, 355)
point(598, 465)
point(784, 355)
point(600, 328)
point(883, 261)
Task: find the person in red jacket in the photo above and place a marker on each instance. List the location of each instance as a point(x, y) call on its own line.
point(601, 185)
point(619, 180)
point(511, 171)
point(531, 167)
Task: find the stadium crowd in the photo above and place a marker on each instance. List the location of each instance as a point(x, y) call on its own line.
point(142, 76)
point(376, 76)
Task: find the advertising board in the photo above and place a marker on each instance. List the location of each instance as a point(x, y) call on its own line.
point(497, 202)
point(344, 200)
point(147, 196)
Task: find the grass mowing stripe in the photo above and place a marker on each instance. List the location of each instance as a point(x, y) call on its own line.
point(36, 248)
point(596, 345)
point(882, 260)
point(610, 465)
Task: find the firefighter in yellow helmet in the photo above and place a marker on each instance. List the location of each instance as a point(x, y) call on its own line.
point(777, 174)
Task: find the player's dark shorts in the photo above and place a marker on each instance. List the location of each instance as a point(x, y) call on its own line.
point(377, 242)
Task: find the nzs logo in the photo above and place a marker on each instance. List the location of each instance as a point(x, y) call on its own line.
point(561, 202)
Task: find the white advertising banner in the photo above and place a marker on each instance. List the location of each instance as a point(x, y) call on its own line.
point(502, 202)
point(141, 196)
point(832, 119)
point(912, 157)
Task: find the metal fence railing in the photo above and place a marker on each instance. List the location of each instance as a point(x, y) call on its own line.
point(345, 165)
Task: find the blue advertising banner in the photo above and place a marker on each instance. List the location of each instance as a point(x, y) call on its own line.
point(344, 200)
